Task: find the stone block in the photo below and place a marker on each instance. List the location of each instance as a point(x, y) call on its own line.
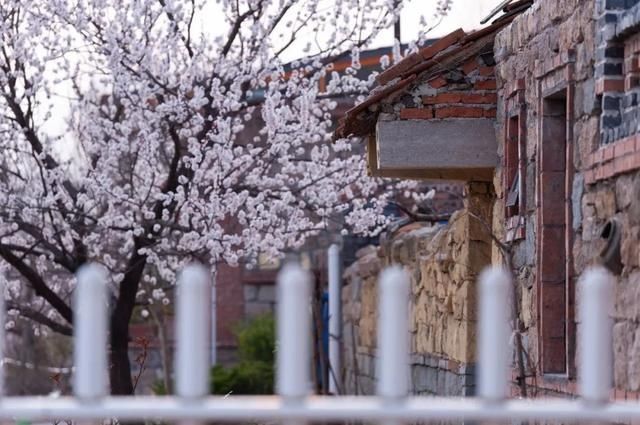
point(605, 203)
point(424, 378)
point(623, 333)
point(629, 250)
point(576, 200)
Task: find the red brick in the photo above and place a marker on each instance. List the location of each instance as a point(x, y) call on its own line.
point(597, 156)
point(453, 366)
point(448, 98)
point(623, 164)
point(608, 153)
point(619, 394)
point(608, 169)
point(459, 112)
point(637, 138)
point(625, 146)
point(437, 82)
point(609, 85)
point(552, 335)
point(552, 187)
point(461, 97)
point(470, 66)
point(600, 173)
point(476, 98)
point(552, 259)
point(490, 113)
point(589, 176)
point(636, 160)
point(486, 71)
point(442, 44)
point(485, 85)
point(416, 113)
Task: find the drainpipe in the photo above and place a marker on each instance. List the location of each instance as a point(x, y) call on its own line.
point(335, 318)
point(213, 324)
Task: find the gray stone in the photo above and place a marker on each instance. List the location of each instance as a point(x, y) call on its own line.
point(441, 382)
point(530, 241)
point(576, 200)
point(417, 359)
point(622, 342)
point(452, 384)
point(467, 369)
point(589, 100)
point(633, 371)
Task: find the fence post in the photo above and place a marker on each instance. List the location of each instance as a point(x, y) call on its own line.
point(90, 323)
point(3, 312)
point(294, 332)
point(192, 332)
point(393, 333)
point(493, 334)
point(596, 342)
point(335, 319)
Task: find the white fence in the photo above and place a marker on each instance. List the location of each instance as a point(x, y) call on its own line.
point(294, 402)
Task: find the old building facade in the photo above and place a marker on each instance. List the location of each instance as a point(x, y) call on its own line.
point(560, 88)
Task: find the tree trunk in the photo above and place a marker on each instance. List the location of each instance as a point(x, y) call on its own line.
point(120, 366)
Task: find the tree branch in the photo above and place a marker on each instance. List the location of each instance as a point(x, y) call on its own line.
point(40, 318)
point(37, 283)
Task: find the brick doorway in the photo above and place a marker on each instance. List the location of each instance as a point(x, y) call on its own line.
point(553, 283)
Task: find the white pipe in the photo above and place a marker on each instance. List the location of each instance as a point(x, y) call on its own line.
point(214, 319)
point(316, 409)
point(335, 318)
point(90, 315)
point(3, 359)
point(393, 334)
point(294, 332)
point(595, 308)
point(192, 332)
point(493, 334)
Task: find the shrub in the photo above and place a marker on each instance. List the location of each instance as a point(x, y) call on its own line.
point(254, 373)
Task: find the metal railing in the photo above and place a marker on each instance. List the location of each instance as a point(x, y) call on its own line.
point(294, 402)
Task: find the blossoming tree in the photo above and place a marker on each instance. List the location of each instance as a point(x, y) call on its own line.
point(177, 142)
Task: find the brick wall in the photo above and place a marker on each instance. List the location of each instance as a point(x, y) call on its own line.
point(466, 91)
point(443, 262)
point(580, 152)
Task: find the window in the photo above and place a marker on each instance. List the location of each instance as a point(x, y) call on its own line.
point(512, 163)
point(514, 176)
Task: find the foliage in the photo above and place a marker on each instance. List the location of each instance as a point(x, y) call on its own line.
point(254, 374)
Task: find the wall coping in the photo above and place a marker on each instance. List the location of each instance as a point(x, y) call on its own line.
point(619, 157)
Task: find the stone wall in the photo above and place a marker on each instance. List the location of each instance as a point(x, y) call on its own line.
point(552, 48)
point(443, 261)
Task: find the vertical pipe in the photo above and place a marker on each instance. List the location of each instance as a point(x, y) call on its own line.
point(90, 315)
point(493, 334)
point(596, 305)
point(294, 327)
point(393, 333)
point(335, 319)
point(192, 332)
point(2, 334)
point(214, 319)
